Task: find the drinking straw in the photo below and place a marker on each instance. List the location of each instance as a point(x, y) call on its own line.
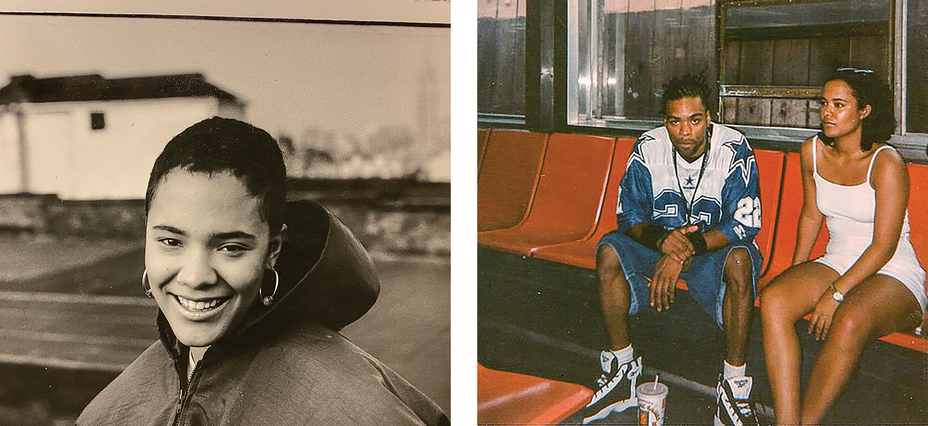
point(654, 387)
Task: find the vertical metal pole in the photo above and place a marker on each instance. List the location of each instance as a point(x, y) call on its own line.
point(540, 67)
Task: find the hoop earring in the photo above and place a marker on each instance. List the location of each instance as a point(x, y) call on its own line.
point(269, 300)
point(145, 286)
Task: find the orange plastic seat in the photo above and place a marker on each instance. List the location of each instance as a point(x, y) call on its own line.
point(770, 169)
point(508, 177)
point(482, 136)
point(583, 253)
point(787, 221)
point(918, 234)
point(568, 198)
point(505, 398)
point(918, 212)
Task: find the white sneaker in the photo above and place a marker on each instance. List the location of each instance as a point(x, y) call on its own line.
point(615, 388)
point(734, 406)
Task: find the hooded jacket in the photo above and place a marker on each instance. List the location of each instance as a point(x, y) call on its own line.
point(287, 364)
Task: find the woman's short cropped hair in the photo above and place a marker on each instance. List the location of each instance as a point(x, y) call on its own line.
point(224, 145)
point(869, 89)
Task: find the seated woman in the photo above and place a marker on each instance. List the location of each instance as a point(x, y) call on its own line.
point(251, 293)
point(869, 282)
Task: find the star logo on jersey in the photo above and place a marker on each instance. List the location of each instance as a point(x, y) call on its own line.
point(689, 181)
point(742, 159)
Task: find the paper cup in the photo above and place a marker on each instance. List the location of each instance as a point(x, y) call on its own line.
point(651, 402)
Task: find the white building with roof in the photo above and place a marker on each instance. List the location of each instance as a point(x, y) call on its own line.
point(88, 137)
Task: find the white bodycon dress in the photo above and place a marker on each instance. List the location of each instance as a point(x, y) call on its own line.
point(849, 212)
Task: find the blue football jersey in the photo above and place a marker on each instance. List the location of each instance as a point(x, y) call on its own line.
point(726, 198)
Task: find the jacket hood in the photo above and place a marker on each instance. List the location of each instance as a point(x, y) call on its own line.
point(326, 275)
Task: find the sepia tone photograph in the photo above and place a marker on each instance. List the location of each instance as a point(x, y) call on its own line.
point(696, 212)
point(234, 216)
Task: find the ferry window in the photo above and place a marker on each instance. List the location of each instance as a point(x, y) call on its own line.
point(97, 121)
point(775, 56)
point(501, 57)
point(768, 58)
point(622, 52)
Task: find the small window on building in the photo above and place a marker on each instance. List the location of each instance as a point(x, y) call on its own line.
point(97, 122)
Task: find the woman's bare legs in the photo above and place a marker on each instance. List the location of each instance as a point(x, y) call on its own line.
point(784, 301)
point(876, 307)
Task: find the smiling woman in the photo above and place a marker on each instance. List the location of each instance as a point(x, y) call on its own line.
point(251, 293)
point(206, 251)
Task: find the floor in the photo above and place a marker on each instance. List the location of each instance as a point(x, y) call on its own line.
point(543, 318)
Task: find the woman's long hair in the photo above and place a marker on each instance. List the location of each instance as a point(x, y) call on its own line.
point(868, 89)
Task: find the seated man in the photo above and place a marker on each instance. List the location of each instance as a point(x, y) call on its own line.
point(688, 208)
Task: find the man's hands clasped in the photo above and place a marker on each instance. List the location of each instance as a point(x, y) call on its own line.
point(676, 249)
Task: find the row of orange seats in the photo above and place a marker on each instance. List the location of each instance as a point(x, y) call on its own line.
point(553, 196)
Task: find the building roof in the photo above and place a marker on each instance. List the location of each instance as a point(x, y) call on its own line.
point(93, 87)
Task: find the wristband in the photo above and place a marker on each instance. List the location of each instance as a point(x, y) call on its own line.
point(700, 246)
point(652, 235)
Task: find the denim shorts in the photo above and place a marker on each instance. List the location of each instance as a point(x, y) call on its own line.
point(704, 278)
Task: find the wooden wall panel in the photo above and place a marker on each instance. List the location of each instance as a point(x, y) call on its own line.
point(869, 52)
point(790, 60)
point(771, 58)
point(756, 62)
point(826, 55)
point(700, 48)
point(729, 110)
point(732, 63)
point(669, 41)
point(789, 112)
point(754, 111)
point(814, 120)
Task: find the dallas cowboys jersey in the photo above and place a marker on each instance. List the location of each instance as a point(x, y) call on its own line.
point(727, 197)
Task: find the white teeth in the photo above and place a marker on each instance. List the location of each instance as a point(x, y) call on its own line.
point(198, 306)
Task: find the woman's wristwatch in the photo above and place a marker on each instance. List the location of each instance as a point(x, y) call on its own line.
point(835, 294)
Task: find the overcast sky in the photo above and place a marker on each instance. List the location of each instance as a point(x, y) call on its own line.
point(339, 77)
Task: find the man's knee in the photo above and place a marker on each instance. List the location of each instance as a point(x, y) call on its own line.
point(739, 271)
point(607, 264)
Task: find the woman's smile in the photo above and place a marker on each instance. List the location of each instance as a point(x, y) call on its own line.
point(199, 309)
point(206, 254)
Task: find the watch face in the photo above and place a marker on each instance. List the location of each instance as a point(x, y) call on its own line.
point(837, 296)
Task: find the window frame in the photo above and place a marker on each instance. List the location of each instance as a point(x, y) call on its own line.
point(579, 115)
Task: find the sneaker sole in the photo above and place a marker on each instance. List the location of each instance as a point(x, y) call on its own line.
point(617, 407)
